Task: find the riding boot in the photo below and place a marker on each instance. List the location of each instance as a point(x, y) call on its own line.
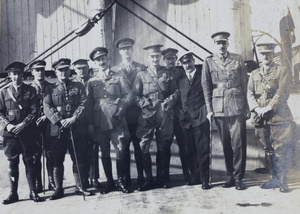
point(266, 169)
point(111, 186)
point(79, 189)
point(13, 195)
point(121, 176)
point(149, 183)
point(31, 179)
point(139, 165)
point(161, 168)
point(38, 176)
point(284, 167)
point(127, 176)
point(58, 174)
point(274, 181)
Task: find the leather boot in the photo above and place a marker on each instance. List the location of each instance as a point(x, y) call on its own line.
point(122, 186)
point(127, 176)
point(149, 183)
point(265, 170)
point(58, 174)
point(31, 179)
point(38, 176)
point(138, 156)
point(274, 181)
point(111, 186)
point(51, 184)
point(79, 189)
point(161, 165)
point(95, 183)
point(13, 195)
point(283, 184)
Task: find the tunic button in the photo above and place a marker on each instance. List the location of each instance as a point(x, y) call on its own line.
point(104, 95)
point(104, 88)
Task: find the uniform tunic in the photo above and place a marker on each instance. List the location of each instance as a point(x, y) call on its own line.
point(108, 97)
point(225, 86)
point(12, 112)
point(62, 101)
point(150, 91)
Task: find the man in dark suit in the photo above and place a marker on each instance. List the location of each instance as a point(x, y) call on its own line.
point(109, 95)
point(64, 102)
point(130, 68)
point(194, 122)
point(224, 82)
point(18, 111)
point(39, 83)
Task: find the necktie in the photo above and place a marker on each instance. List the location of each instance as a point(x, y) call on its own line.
point(190, 77)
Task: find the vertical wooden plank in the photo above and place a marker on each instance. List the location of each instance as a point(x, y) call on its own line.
point(32, 25)
point(25, 31)
point(75, 23)
point(60, 26)
point(46, 30)
point(11, 31)
point(18, 31)
point(54, 28)
point(138, 53)
point(184, 9)
point(39, 26)
point(4, 34)
point(67, 27)
point(83, 9)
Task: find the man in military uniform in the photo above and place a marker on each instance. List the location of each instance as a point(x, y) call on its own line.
point(224, 82)
point(268, 91)
point(63, 104)
point(109, 95)
point(156, 93)
point(130, 68)
point(194, 122)
point(170, 58)
point(18, 111)
point(39, 83)
point(91, 174)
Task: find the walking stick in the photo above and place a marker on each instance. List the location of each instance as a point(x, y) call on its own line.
point(43, 155)
point(76, 160)
point(210, 151)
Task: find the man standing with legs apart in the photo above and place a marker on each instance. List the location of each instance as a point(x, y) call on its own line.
point(130, 68)
point(91, 165)
point(18, 111)
point(170, 58)
point(194, 122)
point(156, 94)
point(224, 82)
point(268, 91)
point(109, 95)
point(39, 83)
point(63, 104)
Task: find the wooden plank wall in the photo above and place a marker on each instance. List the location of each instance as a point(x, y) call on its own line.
point(28, 27)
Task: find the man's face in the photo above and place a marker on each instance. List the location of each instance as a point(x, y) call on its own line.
point(16, 77)
point(102, 62)
point(266, 58)
point(38, 73)
point(189, 65)
point(221, 47)
point(82, 72)
point(126, 52)
point(170, 61)
point(154, 59)
point(63, 74)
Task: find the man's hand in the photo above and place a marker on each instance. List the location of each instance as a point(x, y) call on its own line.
point(18, 128)
point(262, 111)
point(209, 116)
point(66, 123)
point(247, 114)
point(10, 128)
point(165, 106)
point(40, 120)
point(90, 129)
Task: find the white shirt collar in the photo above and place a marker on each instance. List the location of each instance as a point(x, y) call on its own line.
point(192, 74)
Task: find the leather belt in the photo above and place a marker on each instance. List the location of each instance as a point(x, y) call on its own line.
point(155, 96)
point(229, 84)
point(64, 108)
point(13, 112)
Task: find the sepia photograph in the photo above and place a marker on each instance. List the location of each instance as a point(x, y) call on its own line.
point(149, 106)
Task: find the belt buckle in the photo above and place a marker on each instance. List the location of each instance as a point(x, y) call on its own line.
point(68, 107)
point(228, 85)
point(17, 112)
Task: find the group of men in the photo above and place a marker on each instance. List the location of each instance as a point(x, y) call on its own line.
point(131, 103)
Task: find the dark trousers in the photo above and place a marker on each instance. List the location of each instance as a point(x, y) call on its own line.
point(232, 131)
point(197, 140)
point(92, 159)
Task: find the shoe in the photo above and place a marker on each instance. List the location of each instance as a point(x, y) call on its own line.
point(206, 185)
point(122, 187)
point(80, 191)
point(239, 185)
point(95, 184)
point(35, 197)
point(284, 187)
point(229, 183)
point(51, 184)
point(12, 198)
point(111, 186)
point(146, 186)
point(57, 195)
point(271, 184)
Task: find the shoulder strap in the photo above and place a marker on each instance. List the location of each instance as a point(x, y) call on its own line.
point(14, 99)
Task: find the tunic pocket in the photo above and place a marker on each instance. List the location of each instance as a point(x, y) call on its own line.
point(239, 101)
point(217, 100)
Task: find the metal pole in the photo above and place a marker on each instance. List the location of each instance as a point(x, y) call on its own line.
point(210, 151)
point(169, 25)
point(133, 13)
point(76, 160)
